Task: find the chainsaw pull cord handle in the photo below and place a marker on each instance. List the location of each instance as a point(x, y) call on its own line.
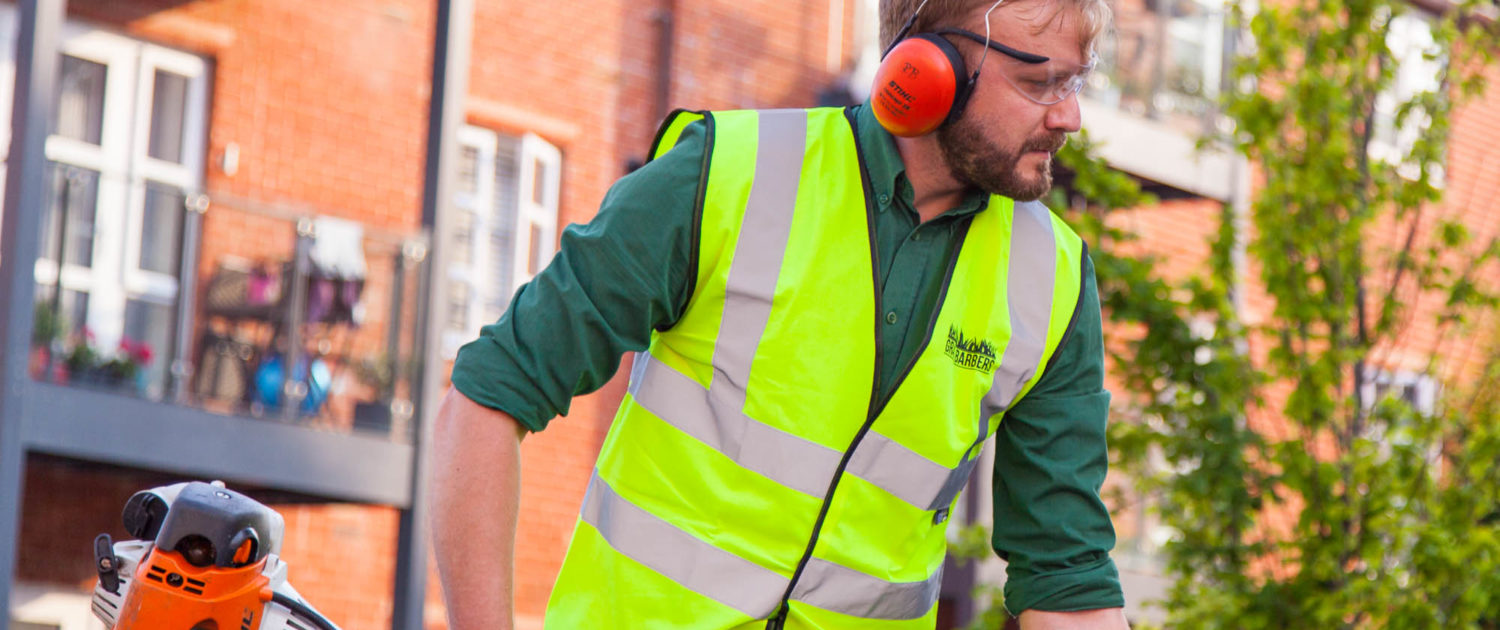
point(246, 546)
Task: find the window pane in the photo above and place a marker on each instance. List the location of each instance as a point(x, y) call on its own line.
point(462, 242)
point(73, 197)
point(161, 229)
point(539, 182)
point(80, 100)
point(468, 167)
point(168, 115)
point(148, 326)
point(538, 257)
point(502, 238)
point(458, 306)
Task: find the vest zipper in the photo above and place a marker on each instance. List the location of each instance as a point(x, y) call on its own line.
point(778, 621)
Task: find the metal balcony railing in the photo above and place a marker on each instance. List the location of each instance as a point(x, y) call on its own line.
point(228, 305)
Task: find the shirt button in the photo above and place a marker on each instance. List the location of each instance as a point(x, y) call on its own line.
point(917, 236)
point(884, 199)
point(890, 318)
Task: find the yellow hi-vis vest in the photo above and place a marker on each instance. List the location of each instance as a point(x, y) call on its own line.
point(751, 479)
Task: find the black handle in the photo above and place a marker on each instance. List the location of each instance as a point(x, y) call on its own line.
point(107, 564)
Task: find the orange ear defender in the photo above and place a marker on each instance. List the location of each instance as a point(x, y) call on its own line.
point(921, 84)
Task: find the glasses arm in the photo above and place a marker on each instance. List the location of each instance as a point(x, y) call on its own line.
point(1024, 57)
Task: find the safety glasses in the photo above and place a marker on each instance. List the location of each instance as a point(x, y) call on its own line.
point(1041, 80)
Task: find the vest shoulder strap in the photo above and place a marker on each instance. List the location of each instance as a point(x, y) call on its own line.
point(671, 129)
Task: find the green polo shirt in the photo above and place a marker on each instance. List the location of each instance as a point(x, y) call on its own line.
point(630, 271)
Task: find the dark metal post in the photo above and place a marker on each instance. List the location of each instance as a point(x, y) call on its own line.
point(181, 370)
point(293, 389)
point(450, 73)
point(61, 256)
point(393, 358)
point(40, 22)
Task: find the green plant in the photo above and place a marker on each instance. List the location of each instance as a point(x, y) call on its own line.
point(46, 327)
point(84, 362)
point(1298, 500)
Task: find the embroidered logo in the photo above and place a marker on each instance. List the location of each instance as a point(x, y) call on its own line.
point(972, 354)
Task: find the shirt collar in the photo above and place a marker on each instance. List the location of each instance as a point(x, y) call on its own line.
point(888, 173)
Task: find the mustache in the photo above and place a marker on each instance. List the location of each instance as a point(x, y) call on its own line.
point(1051, 143)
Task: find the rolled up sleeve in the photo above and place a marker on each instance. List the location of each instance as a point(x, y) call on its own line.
point(1051, 526)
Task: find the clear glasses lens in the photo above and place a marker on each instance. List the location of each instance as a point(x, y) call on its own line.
point(1046, 84)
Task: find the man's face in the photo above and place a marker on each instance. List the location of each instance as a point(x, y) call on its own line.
point(1003, 143)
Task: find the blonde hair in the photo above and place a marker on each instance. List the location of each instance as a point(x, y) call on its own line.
point(1094, 16)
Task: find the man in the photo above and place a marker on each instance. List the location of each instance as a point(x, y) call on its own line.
point(831, 320)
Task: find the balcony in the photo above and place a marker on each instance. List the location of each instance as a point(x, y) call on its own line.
point(165, 320)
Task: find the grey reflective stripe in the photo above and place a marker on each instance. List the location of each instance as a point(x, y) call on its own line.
point(716, 417)
point(739, 583)
point(898, 470)
point(681, 557)
point(760, 248)
point(1032, 279)
point(713, 418)
point(910, 476)
point(838, 588)
point(786, 458)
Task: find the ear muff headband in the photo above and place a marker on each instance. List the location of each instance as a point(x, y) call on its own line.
point(921, 84)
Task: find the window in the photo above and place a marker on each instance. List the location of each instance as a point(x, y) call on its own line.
point(1418, 64)
point(1417, 390)
point(1165, 62)
point(125, 149)
point(504, 219)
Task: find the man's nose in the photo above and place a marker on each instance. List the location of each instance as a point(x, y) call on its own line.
point(1064, 115)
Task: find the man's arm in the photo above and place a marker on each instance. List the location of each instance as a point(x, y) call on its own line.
point(1050, 460)
point(614, 280)
point(1103, 619)
point(476, 487)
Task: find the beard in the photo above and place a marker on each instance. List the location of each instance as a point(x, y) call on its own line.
point(976, 161)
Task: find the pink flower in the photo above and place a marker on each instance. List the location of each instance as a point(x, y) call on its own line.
point(139, 352)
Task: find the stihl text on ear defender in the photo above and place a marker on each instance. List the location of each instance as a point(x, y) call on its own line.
point(921, 83)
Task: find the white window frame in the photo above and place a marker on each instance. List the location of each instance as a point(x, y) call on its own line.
point(121, 159)
point(1209, 39)
point(481, 204)
point(1409, 38)
point(488, 294)
point(539, 214)
point(1380, 383)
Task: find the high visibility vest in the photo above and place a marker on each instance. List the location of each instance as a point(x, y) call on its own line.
point(752, 473)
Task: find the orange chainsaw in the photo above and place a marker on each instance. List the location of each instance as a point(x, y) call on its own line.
point(205, 560)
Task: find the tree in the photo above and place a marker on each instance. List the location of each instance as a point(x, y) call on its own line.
point(1389, 508)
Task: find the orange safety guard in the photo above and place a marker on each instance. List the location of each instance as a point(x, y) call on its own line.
point(167, 593)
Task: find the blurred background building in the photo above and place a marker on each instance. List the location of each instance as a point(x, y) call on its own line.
point(253, 263)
